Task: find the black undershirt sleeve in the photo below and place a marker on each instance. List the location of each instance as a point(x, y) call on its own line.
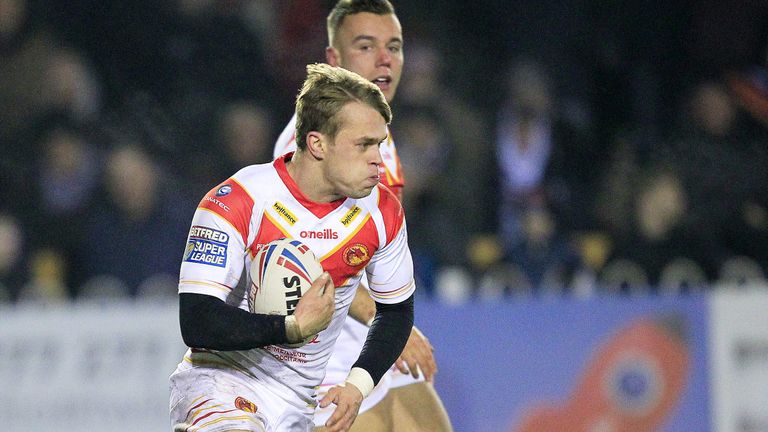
point(207, 322)
point(387, 337)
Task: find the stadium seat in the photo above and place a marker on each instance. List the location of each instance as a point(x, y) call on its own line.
point(103, 289)
point(453, 285)
point(741, 271)
point(159, 287)
point(682, 275)
point(503, 280)
point(623, 276)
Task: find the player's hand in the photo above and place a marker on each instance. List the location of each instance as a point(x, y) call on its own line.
point(347, 398)
point(315, 308)
point(418, 354)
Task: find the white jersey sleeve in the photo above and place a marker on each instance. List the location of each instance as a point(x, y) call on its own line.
point(215, 252)
point(390, 273)
point(286, 142)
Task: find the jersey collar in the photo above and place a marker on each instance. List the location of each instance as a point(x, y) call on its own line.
point(318, 209)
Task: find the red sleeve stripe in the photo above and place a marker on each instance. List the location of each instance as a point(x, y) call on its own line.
point(227, 221)
point(391, 211)
point(392, 293)
point(216, 285)
point(235, 207)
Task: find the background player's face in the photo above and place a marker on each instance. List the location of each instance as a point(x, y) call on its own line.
point(352, 159)
point(372, 46)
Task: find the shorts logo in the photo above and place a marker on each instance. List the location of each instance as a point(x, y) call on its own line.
point(224, 190)
point(350, 216)
point(244, 404)
point(206, 246)
point(356, 255)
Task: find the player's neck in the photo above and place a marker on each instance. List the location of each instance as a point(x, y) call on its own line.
point(308, 176)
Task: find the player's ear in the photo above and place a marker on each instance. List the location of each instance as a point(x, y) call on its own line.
point(316, 145)
point(331, 56)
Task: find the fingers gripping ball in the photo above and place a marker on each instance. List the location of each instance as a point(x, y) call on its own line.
point(281, 272)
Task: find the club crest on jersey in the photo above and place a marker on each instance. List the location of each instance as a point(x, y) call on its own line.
point(356, 255)
point(224, 190)
point(244, 404)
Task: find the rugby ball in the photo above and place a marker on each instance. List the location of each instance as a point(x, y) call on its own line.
point(281, 272)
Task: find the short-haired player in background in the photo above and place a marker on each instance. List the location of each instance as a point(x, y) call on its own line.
point(365, 37)
point(238, 374)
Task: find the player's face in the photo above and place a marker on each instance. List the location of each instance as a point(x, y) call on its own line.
point(372, 46)
point(352, 160)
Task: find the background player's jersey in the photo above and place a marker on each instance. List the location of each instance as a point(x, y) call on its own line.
point(261, 203)
point(391, 171)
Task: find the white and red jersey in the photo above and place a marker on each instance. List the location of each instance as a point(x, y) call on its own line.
point(391, 171)
point(352, 337)
point(261, 203)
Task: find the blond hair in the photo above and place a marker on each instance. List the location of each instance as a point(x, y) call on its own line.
point(325, 92)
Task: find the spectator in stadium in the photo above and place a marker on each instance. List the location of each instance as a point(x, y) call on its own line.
point(13, 262)
point(365, 37)
point(137, 219)
point(543, 174)
point(441, 138)
point(238, 361)
point(242, 136)
point(722, 162)
point(26, 47)
point(656, 227)
point(67, 175)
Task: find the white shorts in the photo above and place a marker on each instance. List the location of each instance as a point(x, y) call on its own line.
point(212, 400)
point(345, 353)
point(377, 394)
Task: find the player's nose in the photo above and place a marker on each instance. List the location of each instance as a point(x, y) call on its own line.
point(376, 156)
point(384, 57)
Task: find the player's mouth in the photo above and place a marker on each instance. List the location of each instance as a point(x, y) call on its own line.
point(374, 179)
point(383, 82)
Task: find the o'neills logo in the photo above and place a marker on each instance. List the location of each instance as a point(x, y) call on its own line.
point(244, 404)
point(282, 211)
point(356, 255)
point(350, 216)
point(324, 234)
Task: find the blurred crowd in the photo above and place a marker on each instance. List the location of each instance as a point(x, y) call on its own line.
point(549, 147)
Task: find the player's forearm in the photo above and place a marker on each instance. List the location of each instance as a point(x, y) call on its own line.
point(386, 338)
point(363, 308)
point(207, 322)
